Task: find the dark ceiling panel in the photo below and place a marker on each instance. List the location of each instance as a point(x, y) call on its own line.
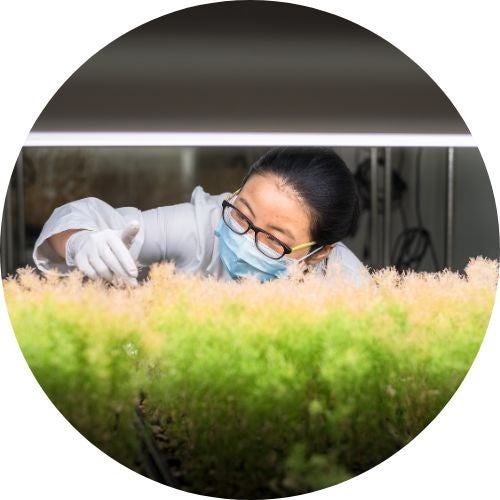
point(250, 66)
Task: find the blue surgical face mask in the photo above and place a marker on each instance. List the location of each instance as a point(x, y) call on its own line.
point(243, 259)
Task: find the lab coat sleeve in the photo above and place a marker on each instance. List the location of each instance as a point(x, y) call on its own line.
point(171, 234)
point(344, 266)
point(87, 213)
point(357, 276)
point(184, 233)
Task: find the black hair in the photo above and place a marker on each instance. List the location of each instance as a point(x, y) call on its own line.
point(323, 182)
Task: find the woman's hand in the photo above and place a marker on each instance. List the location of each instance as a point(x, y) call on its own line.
point(104, 254)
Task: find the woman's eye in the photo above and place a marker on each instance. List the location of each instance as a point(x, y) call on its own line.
point(239, 217)
point(271, 241)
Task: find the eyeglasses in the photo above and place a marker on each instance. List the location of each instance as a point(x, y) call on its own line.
point(265, 242)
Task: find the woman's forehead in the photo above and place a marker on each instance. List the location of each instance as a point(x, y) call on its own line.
point(275, 203)
point(267, 183)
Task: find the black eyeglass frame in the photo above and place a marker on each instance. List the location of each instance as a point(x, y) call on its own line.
point(256, 230)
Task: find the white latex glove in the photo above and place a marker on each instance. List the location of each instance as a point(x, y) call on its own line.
point(104, 254)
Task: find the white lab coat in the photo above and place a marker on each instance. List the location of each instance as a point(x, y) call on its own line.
point(182, 233)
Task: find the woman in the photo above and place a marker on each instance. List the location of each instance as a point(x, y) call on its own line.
point(294, 206)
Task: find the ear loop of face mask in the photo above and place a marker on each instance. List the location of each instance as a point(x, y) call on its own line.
point(302, 259)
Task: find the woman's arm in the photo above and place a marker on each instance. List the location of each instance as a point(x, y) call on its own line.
point(58, 241)
point(89, 214)
point(182, 233)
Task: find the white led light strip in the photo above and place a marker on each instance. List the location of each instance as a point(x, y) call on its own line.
point(245, 139)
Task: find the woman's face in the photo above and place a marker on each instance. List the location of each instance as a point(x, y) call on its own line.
point(275, 207)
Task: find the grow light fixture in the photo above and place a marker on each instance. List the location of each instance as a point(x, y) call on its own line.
point(55, 138)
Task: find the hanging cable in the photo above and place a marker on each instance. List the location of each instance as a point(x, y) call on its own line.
point(412, 244)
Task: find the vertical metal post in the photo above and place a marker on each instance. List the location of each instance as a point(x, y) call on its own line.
point(387, 206)
point(3, 241)
point(21, 235)
point(188, 166)
point(7, 236)
point(374, 207)
point(450, 192)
